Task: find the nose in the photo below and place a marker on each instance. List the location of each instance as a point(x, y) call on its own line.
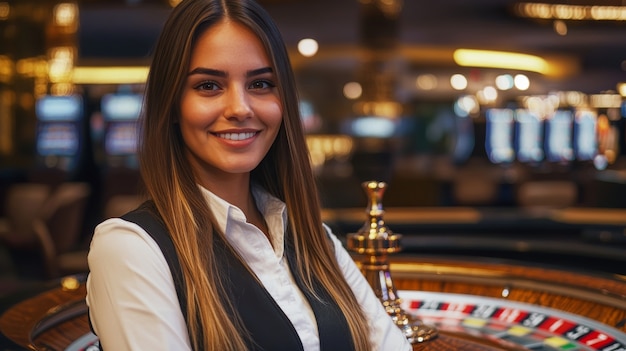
point(237, 104)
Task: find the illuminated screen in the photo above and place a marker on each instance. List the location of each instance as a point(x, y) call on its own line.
point(585, 135)
point(121, 107)
point(59, 108)
point(60, 139)
point(499, 135)
point(528, 136)
point(559, 136)
point(373, 127)
point(121, 139)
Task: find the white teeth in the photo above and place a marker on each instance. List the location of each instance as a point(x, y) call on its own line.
point(235, 136)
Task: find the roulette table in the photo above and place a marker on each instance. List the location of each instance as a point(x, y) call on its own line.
point(481, 305)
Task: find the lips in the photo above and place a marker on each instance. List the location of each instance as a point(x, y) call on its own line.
point(236, 136)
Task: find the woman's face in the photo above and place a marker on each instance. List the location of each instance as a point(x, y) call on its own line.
point(230, 108)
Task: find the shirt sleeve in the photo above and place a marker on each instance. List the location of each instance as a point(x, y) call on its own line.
point(385, 335)
point(131, 295)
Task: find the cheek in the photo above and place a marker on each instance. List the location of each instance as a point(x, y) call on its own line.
point(273, 114)
point(194, 114)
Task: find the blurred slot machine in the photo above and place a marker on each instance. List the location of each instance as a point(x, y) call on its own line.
point(120, 112)
point(585, 135)
point(59, 137)
point(499, 135)
point(528, 136)
point(559, 135)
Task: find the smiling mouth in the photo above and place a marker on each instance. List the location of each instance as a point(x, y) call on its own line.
point(236, 136)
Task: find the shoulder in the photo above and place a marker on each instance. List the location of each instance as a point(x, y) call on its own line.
point(118, 241)
point(130, 290)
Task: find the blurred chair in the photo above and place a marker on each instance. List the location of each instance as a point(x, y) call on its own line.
point(58, 229)
point(547, 194)
point(23, 203)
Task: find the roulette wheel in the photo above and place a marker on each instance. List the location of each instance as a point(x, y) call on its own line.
point(512, 325)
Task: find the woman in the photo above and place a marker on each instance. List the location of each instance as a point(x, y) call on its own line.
point(230, 252)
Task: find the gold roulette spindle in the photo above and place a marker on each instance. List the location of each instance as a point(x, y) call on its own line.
point(375, 241)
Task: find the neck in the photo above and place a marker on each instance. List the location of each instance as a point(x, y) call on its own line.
point(235, 189)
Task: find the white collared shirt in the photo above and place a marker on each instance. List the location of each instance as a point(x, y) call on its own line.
point(133, 301)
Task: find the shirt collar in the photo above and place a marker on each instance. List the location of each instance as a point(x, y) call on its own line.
point(273, 210)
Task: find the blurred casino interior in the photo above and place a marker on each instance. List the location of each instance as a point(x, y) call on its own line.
point(498, 125)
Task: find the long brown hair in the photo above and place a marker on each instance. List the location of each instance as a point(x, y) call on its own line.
point(285, 172)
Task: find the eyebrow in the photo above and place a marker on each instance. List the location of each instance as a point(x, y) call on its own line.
point(218, 73)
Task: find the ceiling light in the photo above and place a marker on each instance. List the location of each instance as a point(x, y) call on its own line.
point(571, 12)
point(66, 15)
point(110, 75)
point(501, 59)
point(307, 47)
point(458, 81)
point(352, 90)
point(521, 82)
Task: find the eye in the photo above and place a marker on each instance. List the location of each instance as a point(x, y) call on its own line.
point(262, 84)
point(207, 85)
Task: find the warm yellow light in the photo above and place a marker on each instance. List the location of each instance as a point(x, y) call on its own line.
point(5, 9)
point(61, 89)
point(605, 100)
point(6, 69)
point(32, 67)
point(65, 14)
point(60, 63)
point(70, 283)
point(501, 59)
point(387, 109)
point(308, 47)
point(352, 90)
point(571, 12)
point(110, 75)
point(458, 81)
point(325, 147)
point(621, 88)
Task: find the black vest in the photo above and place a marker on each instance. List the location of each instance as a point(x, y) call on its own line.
point(268, 326)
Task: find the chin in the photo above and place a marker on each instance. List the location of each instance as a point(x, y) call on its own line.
point(241, 169)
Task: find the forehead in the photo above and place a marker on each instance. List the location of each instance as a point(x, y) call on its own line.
point(227, 43)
